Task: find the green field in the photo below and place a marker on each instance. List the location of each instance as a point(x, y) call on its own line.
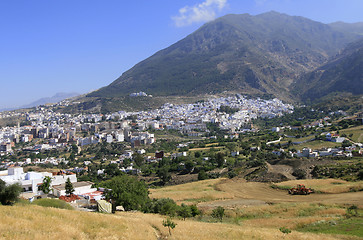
point(317, 144)
point(357, 133)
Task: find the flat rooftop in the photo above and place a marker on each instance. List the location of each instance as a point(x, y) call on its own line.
point(75, 185)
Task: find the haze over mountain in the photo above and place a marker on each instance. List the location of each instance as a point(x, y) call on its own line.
point(54, 99)
point(343, 73)
point(260, 54)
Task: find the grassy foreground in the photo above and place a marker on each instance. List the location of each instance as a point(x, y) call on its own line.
point(35, 222)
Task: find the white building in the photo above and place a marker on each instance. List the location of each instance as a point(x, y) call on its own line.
point(80, 188)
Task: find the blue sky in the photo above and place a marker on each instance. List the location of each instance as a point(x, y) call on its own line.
point(81, 45)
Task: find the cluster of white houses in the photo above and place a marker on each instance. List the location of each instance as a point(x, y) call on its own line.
point(59, 129)
point(31, 181)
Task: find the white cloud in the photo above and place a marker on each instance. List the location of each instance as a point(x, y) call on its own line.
point(203, 12)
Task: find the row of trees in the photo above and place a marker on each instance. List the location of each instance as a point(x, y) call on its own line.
point(132, 194)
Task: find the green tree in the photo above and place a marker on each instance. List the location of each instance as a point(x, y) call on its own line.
point(169, 224)
point(9, 194)
point(163, 174)
point(184, 211)
point(46, 186)
point(69, 187)
point(197, 154)
point(189, 165)
point(138, 159)
point(220, 159)
point(194, 210)
point(218, 213)
point(127, 191)
point(202, 175)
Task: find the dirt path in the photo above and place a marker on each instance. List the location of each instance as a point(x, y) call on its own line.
point(254, 193)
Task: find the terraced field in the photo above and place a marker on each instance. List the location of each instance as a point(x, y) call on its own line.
point(234, 193)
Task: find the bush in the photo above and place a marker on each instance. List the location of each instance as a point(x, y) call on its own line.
point(9, 194)
point(202, 175)
point(285, 230)
point(167, 206)
point(218, 213)
point(299, 173)
point(55, 203)
point(232, 174)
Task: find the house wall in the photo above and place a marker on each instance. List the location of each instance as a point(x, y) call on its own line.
point(60, 179)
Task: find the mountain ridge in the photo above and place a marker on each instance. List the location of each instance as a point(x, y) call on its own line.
point(342, 74)
point(259, 54)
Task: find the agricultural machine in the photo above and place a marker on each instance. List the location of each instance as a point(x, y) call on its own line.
point(300, 190)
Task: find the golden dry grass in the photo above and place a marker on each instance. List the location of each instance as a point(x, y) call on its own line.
point(204, 149)
point(326, 185)
point(34, 222)
point(194, 192)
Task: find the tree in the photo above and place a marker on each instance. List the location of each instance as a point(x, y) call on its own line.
point(69, 187)
point(220, 159)
point(218, 213)
point(169, 224)
point(46, 186)
point(194, 210)
point(138, 159)
point(184, 211)
point(163, 174)
point(202, 175)
point(9, 194)
point(197, 154)
point(127, 191)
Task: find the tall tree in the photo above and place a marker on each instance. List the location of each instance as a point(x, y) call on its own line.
point(46, 186)
point(69, 187)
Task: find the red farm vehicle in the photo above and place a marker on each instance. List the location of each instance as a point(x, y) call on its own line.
point(300, 190)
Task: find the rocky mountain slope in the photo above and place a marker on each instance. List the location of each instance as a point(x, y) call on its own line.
point(343, 73)
point(259, 54)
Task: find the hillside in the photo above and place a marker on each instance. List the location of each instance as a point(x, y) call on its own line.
point(259, 54)
point(341, 74)
point(35, 222)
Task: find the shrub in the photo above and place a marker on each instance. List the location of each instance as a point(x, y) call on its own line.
point(218, 213)
point(299, 173)
point(202, 175)
point(285, 230)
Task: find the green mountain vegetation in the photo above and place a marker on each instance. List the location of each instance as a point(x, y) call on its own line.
point(259, 54)
point(341, 74)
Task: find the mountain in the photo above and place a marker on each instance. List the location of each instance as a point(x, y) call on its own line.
point(54, 99)
point(342, 74)
point(259, 54)
point(348, 27)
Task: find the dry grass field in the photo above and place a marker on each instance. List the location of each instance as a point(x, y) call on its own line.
point(35, 222)
point(234, 193)
point(326, 185)
point(190, 193)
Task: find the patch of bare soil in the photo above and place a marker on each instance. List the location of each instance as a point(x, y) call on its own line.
point(177, 179)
